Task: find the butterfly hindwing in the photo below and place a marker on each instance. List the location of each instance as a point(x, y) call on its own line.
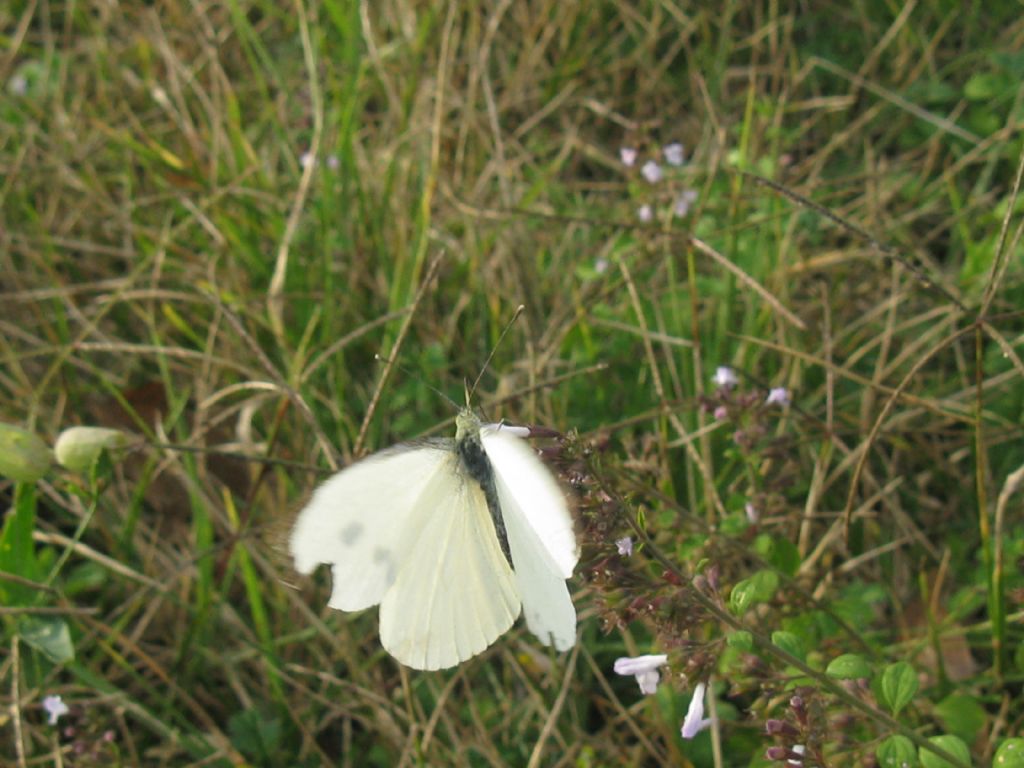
point(455, 594)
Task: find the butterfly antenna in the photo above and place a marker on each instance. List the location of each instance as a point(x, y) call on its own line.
point(414, 375)
point(508, 327)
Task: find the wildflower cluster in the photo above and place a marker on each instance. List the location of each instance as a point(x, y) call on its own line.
point(654, 173)
point(646, 669)
point(87, 740)
point(752, 414)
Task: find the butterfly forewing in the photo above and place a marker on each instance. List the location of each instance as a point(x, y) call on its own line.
point(538, 495)
point(540, 535)
point(355, 521)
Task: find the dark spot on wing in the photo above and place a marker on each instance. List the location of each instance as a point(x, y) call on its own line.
point(350, 534)
point(383, 558)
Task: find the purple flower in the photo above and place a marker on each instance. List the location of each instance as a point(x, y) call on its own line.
point(651, 171)
point(673, 153)
point(778, 396)
point(725, 377)
point(55, 708)
point(686, 198)
point(645, 213)
point(695, 722)
point(721, 412)
point(601, 265)
point(644, 668)
point(628, 156)
point(333, 162)
point(625, 545)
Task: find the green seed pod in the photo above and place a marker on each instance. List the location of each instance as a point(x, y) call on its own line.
point(23, 455)
point(78, 447)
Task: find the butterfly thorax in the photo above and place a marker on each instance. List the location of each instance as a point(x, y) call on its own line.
point(475, 463)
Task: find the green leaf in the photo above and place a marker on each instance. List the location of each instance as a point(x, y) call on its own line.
point(896, 752)
point(899, 684)
point(961, 715)
point(50, 636)
point(17, 550)
point(84, 577)
point(257, 734)
point(742, 596)
point(858, 605)
point(740, 639)
point(781, 553)
point(790, 643)
point(757, 589)
point(1010, 754)
point(952, 744)
point(986, 86)
point(849, 666)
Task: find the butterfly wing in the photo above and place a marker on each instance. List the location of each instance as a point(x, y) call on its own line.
point(454, 594)
point(540, 536)
point(354, 521)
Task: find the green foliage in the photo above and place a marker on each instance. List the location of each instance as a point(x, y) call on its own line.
point(897, 752)
point(24, 456)
point(48, 635)
point(897, 686)
point(790, 643)
point(961, 715)
point(18, 551)
point(758, 588)
point(952, 744)
point(849, 666)
point(1010, 754)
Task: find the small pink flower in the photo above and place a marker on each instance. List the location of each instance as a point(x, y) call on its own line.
point(625, 545)
point(644, 668)
point(778, 396)
point(673, 153)
point(721, 412)
point(651, 171)
point(628, 156)
point(645, 213)
point(695, 722)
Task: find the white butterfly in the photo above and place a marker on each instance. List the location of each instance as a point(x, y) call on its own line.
point(451, 538)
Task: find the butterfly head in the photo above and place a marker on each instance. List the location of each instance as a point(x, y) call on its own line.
point(466, 424)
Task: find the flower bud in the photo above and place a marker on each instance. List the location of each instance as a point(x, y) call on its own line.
point(23, 455)
point(78, 447)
